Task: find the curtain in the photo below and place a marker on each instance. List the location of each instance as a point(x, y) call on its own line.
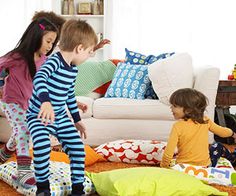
point(15, 16)
point(204, 28)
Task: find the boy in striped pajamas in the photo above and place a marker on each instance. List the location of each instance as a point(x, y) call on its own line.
point(53, 91)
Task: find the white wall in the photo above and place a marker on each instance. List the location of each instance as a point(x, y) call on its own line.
point(15, 16)
point(204, 28)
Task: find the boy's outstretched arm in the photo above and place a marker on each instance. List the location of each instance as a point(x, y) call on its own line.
point(101, 44)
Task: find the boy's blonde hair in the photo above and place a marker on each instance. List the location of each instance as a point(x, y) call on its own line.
point(76, 32)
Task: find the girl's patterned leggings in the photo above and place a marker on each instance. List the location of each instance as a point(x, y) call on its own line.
point(217, 150)
point(19, 139)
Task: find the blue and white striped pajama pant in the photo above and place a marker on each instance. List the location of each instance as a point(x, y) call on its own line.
point(66, 133)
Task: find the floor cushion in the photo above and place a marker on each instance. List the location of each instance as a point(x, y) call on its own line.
point(222, 174)
point(133, 151)
point(60, 182)
point(91, 156)
point(149, 181)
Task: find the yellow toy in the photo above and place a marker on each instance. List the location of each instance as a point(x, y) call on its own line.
point(234, 72)
point(233, 75)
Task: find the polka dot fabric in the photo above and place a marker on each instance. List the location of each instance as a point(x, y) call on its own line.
point(60, 182)
point(133, 151)
point(136, 58)
point(141, 59)
point(129, 81)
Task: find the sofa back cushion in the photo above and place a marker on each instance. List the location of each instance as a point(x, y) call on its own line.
point(206, 81)
point(168, 75)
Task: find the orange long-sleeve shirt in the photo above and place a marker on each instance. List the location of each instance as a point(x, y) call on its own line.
point(191, 139)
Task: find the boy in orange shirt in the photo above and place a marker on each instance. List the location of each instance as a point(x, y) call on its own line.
point(190, 133)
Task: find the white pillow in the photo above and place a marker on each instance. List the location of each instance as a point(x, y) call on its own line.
point(168, 75)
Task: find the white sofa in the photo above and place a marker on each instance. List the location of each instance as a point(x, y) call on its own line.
point(109, 119)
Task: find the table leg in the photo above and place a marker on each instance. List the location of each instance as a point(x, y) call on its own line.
point(220, 115)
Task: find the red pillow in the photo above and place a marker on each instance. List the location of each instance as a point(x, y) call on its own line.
point(116, 61)
point(102, 89)
point(133, 151)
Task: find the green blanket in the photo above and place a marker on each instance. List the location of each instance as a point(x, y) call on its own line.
point(92, 75)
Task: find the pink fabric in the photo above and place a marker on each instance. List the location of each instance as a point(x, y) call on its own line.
point(18, 85)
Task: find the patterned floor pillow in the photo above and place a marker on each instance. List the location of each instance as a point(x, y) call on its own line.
point(133, 151)
point(91, 156)
point(223, 173)
point(60, 182)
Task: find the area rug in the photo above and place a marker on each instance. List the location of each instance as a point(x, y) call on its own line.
point(6, 190)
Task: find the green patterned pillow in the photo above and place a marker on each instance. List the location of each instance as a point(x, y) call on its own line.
point(92, 75)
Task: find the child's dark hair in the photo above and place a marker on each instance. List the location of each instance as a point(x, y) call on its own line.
point(193, 103)
point(51, 16)
point(31, 42)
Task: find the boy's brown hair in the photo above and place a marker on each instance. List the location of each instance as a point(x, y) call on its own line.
point(76, 32)
point(193, 102)
point(57, 20)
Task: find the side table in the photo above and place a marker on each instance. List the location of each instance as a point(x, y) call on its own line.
point(226, 96)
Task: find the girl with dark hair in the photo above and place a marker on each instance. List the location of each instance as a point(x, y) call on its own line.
point(190, 133)
point(37, 42)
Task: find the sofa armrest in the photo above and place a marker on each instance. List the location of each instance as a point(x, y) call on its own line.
point(206, 81)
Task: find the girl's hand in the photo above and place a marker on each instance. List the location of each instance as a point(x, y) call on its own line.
point(101, 44)
point(82, 106)
point(81, 128)
point(46, 113)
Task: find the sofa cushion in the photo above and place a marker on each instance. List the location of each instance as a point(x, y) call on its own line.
point(206, 81)
point(170, 74)
point(123, 108)
point(129, 81)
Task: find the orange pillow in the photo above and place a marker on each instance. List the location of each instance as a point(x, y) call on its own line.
point(91, 156)
point(102, 89)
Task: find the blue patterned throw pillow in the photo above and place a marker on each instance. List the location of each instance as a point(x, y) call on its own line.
point(129, 81)
point(136, 58)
